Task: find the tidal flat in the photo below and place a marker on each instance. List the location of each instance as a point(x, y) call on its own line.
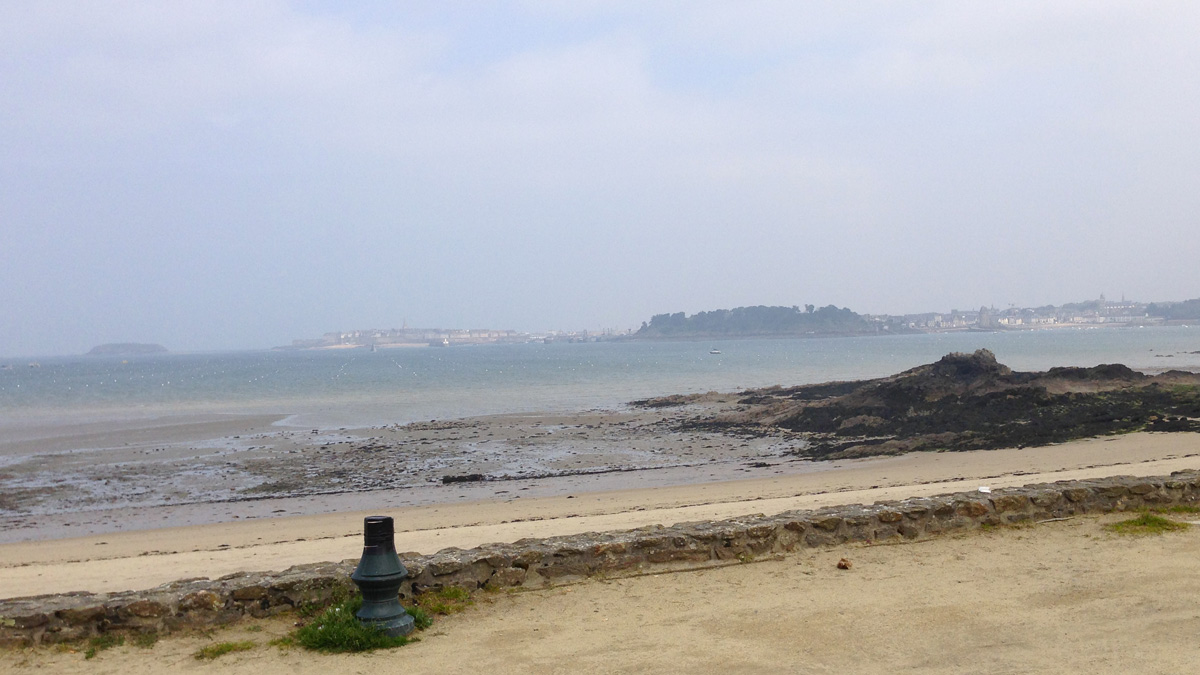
point(85, 479)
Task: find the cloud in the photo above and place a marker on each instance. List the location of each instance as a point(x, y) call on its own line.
point(574, 164)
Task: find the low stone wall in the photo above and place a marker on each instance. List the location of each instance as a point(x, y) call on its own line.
point(538, 562)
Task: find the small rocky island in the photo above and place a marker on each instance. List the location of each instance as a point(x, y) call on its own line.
point(126, 349)
point(961, 402)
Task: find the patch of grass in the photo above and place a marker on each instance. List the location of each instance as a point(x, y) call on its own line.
point(222, 648)
point(421, 620)
point(338, 630)
point(445, 601)
point(144, 640)
point(102, 642)
point(254, 629)
point(1147, 523)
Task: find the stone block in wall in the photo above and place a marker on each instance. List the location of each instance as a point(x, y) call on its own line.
point(16, 641)
point(943, 509)
point(506, 578)
point(970, 508)
point(828, 523)
point(80, 616)
point(677, 555)
point(886, 531)
point(472, 576)
point(30, 620)
point(1046, 498)
point(59, 634)
point(798, 526)
point(1006, 502)
point(819, 538)
point(201, 601)
point(1077, 495)
point(525, 559)
point(144, 609)
point(249, 594)
point(889, 516)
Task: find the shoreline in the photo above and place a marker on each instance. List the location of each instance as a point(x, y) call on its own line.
point(146, 558)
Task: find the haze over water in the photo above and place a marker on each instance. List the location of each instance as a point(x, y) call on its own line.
point(358, 387)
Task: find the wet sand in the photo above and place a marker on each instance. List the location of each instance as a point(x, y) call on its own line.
point(58, 481)
point(143, 559)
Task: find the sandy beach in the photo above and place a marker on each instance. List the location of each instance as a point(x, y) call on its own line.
point(1064, 597)
point(115, 561)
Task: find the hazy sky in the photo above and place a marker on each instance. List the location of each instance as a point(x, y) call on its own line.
point(214, 175)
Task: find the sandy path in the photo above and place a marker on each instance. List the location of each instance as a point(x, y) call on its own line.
point(136, 560)
point(1064, 597)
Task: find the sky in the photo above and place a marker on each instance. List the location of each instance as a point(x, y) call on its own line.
point(234, 175)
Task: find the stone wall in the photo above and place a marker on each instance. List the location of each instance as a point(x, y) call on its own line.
point(533, 563)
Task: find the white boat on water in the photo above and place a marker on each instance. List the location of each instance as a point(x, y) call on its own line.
point(714, 351)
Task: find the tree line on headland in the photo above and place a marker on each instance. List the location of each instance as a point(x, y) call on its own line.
point(796, 321)
point(1188, 310)
point(759, 321)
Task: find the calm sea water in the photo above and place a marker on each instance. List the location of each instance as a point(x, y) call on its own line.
point(358, 387)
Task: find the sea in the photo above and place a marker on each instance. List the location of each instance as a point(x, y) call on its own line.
point(358, 387)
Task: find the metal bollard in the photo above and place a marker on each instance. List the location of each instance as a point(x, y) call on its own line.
point(378, 576)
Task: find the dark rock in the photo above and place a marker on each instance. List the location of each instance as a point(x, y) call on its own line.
point(465, 478)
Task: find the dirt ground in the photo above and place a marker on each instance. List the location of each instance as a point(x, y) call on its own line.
point(1062, 597)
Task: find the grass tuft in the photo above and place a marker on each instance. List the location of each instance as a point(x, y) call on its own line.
point(1147, 523)
point(222, 648)
point(338, 630)
point(445, 601)
point(102, 642)
point(421, 620)
point(144, 640)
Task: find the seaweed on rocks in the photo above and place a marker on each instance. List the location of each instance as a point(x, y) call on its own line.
point(967, 402)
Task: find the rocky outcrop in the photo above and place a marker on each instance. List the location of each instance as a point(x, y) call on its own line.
point(533, 563)
point(126, 349)
point(966, 402)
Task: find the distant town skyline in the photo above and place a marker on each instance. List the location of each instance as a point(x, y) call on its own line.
point(1086, 313)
